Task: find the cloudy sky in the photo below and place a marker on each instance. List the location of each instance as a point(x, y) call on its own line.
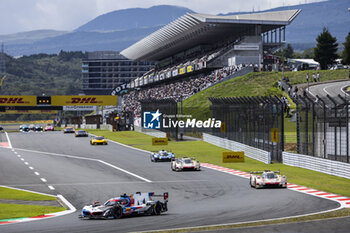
point(27, 15)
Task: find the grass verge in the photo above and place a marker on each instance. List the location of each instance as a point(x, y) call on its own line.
point(10, 211)
point(208, 153)
point(13, 194)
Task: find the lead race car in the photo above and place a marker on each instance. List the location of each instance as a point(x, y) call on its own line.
point(185, 163)
point(126, 205)
point(267, 178)
point(162, 155)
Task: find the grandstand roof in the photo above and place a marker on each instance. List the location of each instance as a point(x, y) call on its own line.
point(193, 29)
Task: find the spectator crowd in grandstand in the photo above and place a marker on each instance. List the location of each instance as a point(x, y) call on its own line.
point(177, 90)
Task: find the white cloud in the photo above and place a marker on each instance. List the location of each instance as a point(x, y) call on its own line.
point(26, 15)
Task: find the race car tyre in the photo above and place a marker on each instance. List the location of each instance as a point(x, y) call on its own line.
point(256, 185)
point(117, 212)
point(157, 209)
point(250, 182)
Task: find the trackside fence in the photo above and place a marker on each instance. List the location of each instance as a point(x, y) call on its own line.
point(249, 151)
point(326, 166)
point(151, 132)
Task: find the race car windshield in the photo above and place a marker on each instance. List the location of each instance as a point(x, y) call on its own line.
point(81, 132)
point(187, 161)
point(99, 138)
point(110, 203)
point(270, 176)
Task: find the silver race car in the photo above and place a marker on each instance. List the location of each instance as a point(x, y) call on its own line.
point(185, 163)
point(267, 178)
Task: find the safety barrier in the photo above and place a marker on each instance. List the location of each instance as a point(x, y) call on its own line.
point(151, 132)
point(326, 166)
point(249, 151)
point(93, 126)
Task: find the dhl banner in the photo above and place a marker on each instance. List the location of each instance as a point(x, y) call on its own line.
point(232, 156)
point(17, 100)
point(159, 141)
point(81, 100)
point(30, 112)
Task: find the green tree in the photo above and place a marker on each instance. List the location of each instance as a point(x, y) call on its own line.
point(346, 52)
point(288, 51)
point(326, 49)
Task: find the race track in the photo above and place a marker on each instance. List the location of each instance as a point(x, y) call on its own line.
point(332, 89)
point(84, 173)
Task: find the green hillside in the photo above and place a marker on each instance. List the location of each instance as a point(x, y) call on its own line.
point(252, 84)
point(42, 73)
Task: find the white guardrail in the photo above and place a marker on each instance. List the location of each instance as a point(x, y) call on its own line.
point(151, 132)
point(92, 126)
point(327, 166)
point(249, 151)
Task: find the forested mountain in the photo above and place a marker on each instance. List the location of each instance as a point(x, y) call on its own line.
point(43, 74)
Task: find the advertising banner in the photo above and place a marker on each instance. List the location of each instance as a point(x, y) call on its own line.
point(30, 112)
point(84, 100)
point(274, 135)
point(79, 108)
point(182, 70)
point(189, 69)
point(159, 141)
point(17, 100)
point(233, 156)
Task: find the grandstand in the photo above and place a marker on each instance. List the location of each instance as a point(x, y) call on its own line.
point(204, 47)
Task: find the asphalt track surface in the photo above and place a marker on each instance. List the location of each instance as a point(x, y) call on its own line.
point(331, 89)
point(74, 168)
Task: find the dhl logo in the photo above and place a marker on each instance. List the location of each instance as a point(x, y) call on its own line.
point(12, 100)
point(84, 100)
point(233, 157)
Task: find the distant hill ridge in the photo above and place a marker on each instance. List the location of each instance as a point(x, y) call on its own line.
point(134, 18)
point(119, 29)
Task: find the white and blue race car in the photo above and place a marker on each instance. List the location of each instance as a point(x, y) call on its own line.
point(126, 205)
point(162, 155)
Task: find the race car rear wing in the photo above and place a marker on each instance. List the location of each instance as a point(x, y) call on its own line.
point(165, 195)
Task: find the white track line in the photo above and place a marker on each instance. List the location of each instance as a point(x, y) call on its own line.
point(324, 89)
point(37, 173)
point(43, 180)
point(26, 190)
point(26, 163)
point(22, 159)
point(62, 198)
point(51, 187)
point(343, 90)
point(31, 168)
point(8, 140)
point(89, 159)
